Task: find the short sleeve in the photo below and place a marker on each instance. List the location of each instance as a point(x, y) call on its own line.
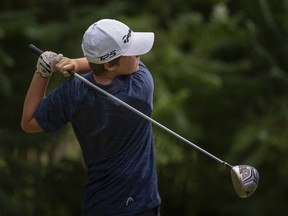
point(56, 109)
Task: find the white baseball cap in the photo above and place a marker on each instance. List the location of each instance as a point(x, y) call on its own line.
point(108, 39)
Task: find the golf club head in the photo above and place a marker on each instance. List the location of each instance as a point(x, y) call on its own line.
point(245, 180)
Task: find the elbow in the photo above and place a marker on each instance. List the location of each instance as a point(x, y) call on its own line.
point(29, 127)
point(26, 128)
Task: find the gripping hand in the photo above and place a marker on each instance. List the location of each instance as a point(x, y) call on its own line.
point(46, 63)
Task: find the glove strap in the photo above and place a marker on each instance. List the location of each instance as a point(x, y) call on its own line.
point(42, 75)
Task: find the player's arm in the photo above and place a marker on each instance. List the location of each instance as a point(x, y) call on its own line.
point(79, 65)
point(34, 96)
point(37, 90)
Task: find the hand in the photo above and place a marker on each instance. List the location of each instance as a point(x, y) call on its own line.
point(66, 65)
point(46, 63)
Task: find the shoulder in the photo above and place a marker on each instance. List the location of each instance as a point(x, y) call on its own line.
point(143, 73)
point(72, 89)
point(141, 84)
point(74, 83)
point(143, 68)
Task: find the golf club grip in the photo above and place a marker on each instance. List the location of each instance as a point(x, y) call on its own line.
point(35, 49)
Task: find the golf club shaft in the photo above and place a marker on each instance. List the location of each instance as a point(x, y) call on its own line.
point(39, 52)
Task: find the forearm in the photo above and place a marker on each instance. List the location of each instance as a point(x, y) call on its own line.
point(35, 95)
point(81, 65)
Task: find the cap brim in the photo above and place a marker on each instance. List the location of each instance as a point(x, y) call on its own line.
point(142, 43)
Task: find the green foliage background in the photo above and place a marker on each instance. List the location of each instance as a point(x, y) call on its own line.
point(221, 78)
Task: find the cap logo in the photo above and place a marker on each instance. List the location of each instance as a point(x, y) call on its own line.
point(125, 38)
point(108, 55)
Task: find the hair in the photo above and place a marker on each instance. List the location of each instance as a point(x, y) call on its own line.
point(99, 69)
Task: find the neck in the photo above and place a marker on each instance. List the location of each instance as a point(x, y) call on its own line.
point(105, 79)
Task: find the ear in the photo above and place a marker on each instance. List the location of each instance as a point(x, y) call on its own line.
point(109, 67)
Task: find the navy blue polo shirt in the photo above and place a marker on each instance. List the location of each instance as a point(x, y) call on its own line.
point(117, 144)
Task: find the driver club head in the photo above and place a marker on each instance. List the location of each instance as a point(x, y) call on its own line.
point(245, 180)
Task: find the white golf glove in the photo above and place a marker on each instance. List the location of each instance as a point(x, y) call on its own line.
point(46, 63)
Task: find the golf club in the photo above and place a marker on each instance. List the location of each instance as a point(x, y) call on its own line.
point(245, 178)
